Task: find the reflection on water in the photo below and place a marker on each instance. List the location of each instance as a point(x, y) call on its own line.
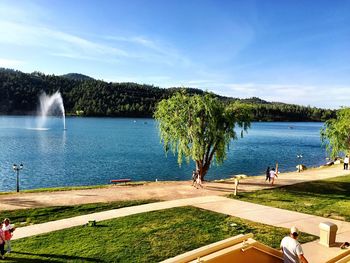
point(38, 129)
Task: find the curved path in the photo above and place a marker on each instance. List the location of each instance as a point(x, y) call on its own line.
point(254, 212)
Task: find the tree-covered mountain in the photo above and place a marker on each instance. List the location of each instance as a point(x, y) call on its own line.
point(76, 76)
point(83, 95)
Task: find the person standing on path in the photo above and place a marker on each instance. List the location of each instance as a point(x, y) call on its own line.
point(8, 232)
point(346, 162)
point(268, 174)
point(2, 242)
point(291, 248)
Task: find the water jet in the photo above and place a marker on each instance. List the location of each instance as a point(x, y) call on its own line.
point(51, 105)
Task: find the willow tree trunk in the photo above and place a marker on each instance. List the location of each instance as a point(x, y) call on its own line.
point(202, 168)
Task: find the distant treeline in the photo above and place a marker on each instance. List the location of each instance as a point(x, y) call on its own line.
point(82, 95)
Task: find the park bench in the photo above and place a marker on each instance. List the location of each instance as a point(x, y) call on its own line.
point(117, 181)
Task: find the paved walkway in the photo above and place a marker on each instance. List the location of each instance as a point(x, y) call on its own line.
point(314, 252)
point(254, 212)
point(43, 228)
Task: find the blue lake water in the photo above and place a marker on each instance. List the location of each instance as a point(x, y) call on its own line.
point(94, 150)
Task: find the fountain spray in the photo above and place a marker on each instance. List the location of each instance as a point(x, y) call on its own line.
point(48, 104)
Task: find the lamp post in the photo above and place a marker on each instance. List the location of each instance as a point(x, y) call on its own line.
point(299, 156)
point(17, 168)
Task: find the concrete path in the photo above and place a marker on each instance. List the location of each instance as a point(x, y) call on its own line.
point(254, 183)
point(314, 252)
point(272, 216)
point(254, 212)
point(43, 228)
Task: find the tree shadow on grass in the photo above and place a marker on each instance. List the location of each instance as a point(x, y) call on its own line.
point(323, 189)
point(319, 189)
point(337, 191)
point(263, 199)
point(96, 226)
point(328, 188)
point(29, 260)
point(49, 257)
point(21, 202)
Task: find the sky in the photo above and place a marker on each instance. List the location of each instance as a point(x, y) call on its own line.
point(292, 51)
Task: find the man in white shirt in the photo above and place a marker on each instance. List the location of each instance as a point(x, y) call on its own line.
point(273, 175)
point(291, 248)
point(346, 163)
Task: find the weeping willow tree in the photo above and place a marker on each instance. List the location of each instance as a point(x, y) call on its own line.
point(200, 127)
point(336, 133)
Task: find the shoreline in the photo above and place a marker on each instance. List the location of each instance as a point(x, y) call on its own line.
point(138, 183)
point(161, 190)
point(69, 115)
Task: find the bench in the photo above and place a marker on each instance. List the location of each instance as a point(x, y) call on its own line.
point(117, 181)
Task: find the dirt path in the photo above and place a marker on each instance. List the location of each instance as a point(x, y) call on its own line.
point(157, 190)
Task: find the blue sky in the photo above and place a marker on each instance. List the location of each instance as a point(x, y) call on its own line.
point(289, 51)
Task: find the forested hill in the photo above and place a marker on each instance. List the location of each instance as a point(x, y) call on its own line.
point(86, 96)
point(76, 76)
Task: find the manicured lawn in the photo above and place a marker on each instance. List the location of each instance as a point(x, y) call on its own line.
point(146, 237)
point(326, 198)
point(22, 217)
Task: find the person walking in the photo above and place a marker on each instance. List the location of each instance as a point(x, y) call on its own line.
point(346, 162)
point(273, 175)
point(199, 180)
point(291, 248)
point(8, 229)
point(2, 242)
point(268, 174)
point(194, 178)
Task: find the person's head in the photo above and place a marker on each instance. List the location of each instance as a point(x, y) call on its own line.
point(294, 232)
point(6, 221)
point(273, 169)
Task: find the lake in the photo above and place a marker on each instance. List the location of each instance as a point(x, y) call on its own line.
point(94, 150)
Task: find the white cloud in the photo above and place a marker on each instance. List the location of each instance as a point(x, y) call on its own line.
point(153, 50)
point(28, 25)
point(332, 97)
point(23, 11)
point(62, 44)
point(10, 63)
point(318, 96)
point(55, 42)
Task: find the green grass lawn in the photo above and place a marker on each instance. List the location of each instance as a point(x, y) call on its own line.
point(146, 237)
point(22, 217)
point(326, 198)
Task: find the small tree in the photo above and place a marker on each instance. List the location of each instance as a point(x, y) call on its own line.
point(336, 133)
point(200, 127)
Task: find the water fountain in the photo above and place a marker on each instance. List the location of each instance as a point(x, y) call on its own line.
point(50, 105)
